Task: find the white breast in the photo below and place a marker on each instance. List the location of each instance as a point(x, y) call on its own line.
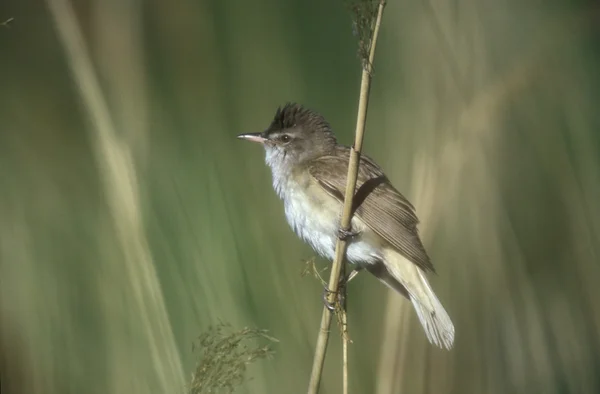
point(316, 229)
point(319, 230)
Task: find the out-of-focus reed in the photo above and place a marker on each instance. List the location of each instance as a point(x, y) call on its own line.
point(116, 254)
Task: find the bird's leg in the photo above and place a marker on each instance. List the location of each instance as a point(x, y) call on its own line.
point(346, 235)
point(343, 281)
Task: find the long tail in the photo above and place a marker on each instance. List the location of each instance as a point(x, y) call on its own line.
point(431, 313)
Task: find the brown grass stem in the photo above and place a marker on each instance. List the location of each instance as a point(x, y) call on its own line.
point(340, 251)
point(345, 342)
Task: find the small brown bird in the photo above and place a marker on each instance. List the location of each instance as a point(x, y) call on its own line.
point(309, 174)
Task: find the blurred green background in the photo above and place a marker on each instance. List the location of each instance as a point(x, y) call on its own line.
point(131, 219)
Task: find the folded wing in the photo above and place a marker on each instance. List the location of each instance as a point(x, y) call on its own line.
point(377, 203)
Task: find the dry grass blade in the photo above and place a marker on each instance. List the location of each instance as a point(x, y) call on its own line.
point(310, 268)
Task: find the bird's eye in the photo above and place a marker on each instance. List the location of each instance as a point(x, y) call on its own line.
point(285, 138)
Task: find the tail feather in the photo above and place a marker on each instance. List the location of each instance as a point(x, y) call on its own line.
point(432, 315)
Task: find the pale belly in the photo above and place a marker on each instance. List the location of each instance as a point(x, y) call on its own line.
point(320, 230)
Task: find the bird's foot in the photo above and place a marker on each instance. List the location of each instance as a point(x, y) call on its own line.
point(346, 235)
point(339, 300)
point(328, 304)
point(341, 295)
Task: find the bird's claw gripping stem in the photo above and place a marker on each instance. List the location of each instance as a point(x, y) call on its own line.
point(328, 304)
point(346, 235)
point(340, 295)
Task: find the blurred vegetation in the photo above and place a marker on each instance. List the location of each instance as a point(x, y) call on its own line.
point(7, 22)
point(123, 233)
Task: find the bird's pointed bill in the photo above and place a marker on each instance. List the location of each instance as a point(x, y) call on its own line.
point(254, 137)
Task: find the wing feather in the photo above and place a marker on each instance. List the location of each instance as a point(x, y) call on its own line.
point(376, 202)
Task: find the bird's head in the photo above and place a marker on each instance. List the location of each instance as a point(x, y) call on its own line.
point(296, 134)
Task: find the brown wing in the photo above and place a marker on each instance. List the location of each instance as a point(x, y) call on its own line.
point(376, 202)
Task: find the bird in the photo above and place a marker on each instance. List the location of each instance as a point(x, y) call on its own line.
point(309, 171)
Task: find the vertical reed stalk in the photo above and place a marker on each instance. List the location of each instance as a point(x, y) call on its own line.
point(341, 245)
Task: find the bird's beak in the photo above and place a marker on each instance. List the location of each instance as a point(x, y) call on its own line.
point(254, 137)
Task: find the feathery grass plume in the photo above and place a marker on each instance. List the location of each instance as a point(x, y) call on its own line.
point(364, 15)
point(224, 356)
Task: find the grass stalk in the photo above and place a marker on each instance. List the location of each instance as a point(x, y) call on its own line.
point(345, 342)
point(340, 250)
